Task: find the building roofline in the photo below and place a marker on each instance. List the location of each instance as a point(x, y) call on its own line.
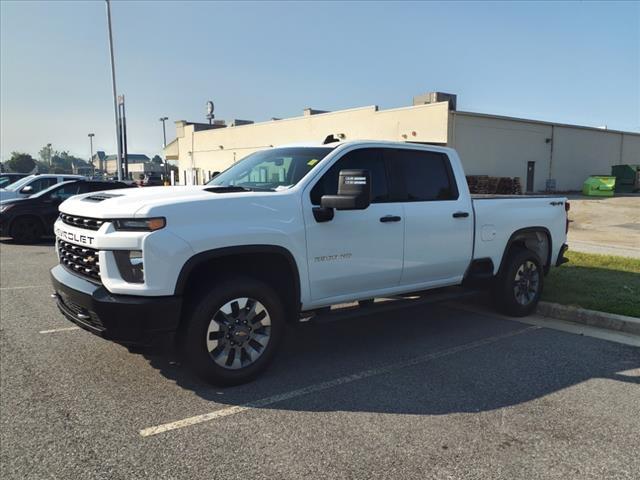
point(541, 122)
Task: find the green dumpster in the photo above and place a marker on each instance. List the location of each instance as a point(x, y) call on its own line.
point(626, 177)
point(599, 186)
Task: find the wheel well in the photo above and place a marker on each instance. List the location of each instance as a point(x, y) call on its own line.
point(536, 239)
point(274, 268)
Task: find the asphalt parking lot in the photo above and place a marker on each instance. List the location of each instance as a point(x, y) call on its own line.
point(432, 391)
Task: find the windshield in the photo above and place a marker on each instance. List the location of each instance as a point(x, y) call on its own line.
point(14, 187)
point(273, 169)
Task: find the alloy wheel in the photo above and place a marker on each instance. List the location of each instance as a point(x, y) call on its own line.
point(238, 333)
point(526, 283)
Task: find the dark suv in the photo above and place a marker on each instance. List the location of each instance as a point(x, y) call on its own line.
point(27, 220)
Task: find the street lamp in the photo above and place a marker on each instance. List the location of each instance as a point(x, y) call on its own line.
point(93, 167)
point(115, 95)
point(164, 144)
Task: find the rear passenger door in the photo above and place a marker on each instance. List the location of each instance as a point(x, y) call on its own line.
point(438, 220)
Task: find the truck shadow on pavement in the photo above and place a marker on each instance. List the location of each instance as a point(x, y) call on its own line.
point(503, 371)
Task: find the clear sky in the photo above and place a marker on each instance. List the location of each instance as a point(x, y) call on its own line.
point(567, 62)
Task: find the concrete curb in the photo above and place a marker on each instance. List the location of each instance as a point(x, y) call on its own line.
point(593, 318)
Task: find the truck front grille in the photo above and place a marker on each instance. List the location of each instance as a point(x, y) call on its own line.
point(81, 222)
point(80, 260)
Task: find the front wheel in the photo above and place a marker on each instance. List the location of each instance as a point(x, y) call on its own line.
point(519, 286)
point(232, 334)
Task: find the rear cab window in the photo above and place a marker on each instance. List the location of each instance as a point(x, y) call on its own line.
point(423, 175)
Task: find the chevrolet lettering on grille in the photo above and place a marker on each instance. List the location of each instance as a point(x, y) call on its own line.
point(75, 237)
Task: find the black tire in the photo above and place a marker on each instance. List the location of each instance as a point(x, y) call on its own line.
point(26, 230)
point(518, 287)
point(193, 340)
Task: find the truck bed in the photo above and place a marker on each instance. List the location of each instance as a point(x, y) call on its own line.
point(497, 220)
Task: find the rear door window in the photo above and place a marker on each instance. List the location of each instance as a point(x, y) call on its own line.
point(41, 183)
point(362, 159)
point(67, 191)
point(426, 176)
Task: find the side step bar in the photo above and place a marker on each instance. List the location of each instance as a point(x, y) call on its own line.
point(379, 305)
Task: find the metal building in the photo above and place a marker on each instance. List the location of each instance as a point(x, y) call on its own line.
point(544, 155)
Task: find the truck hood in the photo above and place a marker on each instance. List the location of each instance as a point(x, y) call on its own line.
point(137, 202)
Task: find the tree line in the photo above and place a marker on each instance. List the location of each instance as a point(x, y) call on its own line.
point(49, 161)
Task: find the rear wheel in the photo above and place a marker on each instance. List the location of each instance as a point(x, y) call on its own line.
point(26, 230)
point(233, 332)
point(519, 286)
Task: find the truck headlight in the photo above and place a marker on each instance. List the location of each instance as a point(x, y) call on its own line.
point(130, 265)
point(139, 224)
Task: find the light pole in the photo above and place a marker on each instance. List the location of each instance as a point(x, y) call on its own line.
point(49, 154)
point(93, 167)
point(115, 95)
point(164, 145)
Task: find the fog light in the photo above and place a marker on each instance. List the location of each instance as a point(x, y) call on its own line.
point(130, 265)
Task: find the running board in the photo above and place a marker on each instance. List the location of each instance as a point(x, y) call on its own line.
point(355, 309)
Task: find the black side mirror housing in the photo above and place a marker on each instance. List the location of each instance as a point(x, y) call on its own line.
point(354, 191)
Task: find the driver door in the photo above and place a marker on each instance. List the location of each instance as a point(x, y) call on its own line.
point(358, 251)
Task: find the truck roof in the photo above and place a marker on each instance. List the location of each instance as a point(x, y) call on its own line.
point(388, 143)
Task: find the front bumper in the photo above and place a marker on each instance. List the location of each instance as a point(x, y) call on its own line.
point(126, 319)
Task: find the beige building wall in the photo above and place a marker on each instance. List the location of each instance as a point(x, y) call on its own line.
point(491, 145)
point(500, 147)
point(579, 153)
point(487, 144)
point(216, 149)
point(630, 149)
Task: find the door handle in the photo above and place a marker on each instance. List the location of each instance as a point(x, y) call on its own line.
point(390, 218)
point(460, 214)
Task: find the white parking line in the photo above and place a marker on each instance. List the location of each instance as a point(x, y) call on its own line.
point(22, 288)
point(225, 412)
point(66, 329)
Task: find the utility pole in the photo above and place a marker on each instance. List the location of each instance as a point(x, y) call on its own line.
point(164, 145)
point(93, 167)
point(123, 132)
point(115, 95)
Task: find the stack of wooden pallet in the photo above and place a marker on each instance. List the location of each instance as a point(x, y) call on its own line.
point(486, 185)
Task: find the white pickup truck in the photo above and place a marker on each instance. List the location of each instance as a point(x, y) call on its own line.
point(222, 268)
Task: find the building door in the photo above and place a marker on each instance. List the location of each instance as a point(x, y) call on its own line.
point(531, 168)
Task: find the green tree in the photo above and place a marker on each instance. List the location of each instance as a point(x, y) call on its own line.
point(21, 162)
point(157, 159)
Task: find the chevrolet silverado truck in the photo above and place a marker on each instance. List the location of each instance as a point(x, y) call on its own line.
point(222, 268)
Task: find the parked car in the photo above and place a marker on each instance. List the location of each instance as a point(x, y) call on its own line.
point(7, 179)
point(33, 184)
point(150, 180)
point(287, 232)
point(26, 220)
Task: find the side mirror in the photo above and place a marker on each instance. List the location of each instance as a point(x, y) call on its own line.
point(28, 189)
point(354, 191)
